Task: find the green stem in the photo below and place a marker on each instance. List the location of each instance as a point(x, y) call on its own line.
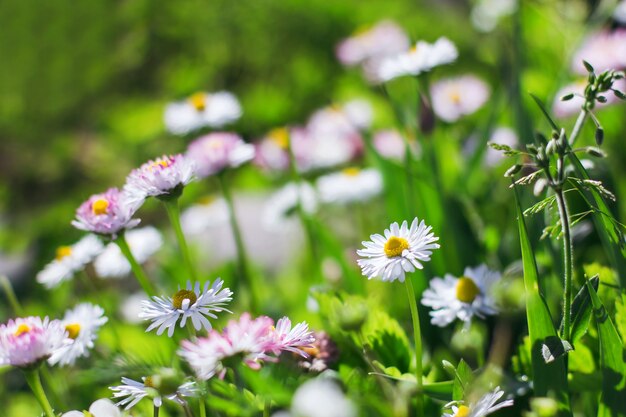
point(567, 262)
point(242, 258)
point(267, 408)
point(156, 411)
point(173, 212)
point(34, 382)
point(8, 290)
point(417, 336)
point(578, 126)
point(134, 265)
point(202, 407)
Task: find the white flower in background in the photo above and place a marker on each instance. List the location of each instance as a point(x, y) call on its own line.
point(82, 324)
point(604, 50)
point(453, 98)
point(150, 386)
point(359, 112)
point(487, 13)
point(562, 109)
point(209, 212)
point(201, 110)
point(350, 185)
point(143, 243)
point(503, 136)
point(384, 39)
point(100, 408)
point(69, 260)
point(25, 342)
point(272, 152)
point(284, 202)
point(463, 297)
point(190, 303)
point(390, 144)
point(402, 249)
point(483, 407)
point(321, 397)
point(423, 57)
point(130, 307)
point(619, 14)
point(218, 151)
point(159, 177)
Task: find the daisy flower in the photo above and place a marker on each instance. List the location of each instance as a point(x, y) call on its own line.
point(82, 325)
point(272, 152)
point(384, 39)
point(390, 144)
point(25, 342)
point(604, 50)
point(143, 243)
point(200, 110)
point(100, 408)
point(107, 213)
point(423, 57)
point(284, 202)
point(453, 98)
point(402, 249)
point(209, 212)
point(321, 397)
point(483, 407)
point(151, 386)
point(160, 177)
point(487, 13)
point(350, 185)
point(463, 297)
point(286, 338)
point(190, 303)
point(218, 151)
point(322, 353)
point(69, 260)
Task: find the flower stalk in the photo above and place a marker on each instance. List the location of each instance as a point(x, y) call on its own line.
point(417, 337)
point(141, 276)
point(34, 382)
point(567, 262)
point(173, 213)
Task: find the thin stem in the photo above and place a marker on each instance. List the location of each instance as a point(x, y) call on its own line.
point(34, 382)
point(134, 265)
point(173, 212)
point(156, 411)
point(202, 407)
point(567, 262)
point(8, 290)
point(267, 408)
point(417, 336)
point(578, 126)
point(242, 258)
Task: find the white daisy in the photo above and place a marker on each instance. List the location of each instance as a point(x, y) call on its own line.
point(283, 203)
point(453, 98)
point(208, 213)
point(99, 408)
point(218, 151)
point(200, 110)
point(463, 297)
point(82, 324)
point(384, 39)
point(191, 303)
point(349, 186)
point(151, 386)
point(421, 58)
point(321, 397)
point(143, 243)
point(402, 249)
point(69, 260)
point(483, 407)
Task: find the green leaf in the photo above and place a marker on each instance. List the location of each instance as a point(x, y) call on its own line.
point(581, 311)
point(546, 377)
point(610, 235)
point(612, 402)
point(545, 112)
point(462, 376)
point(620, 316)
point(387, 340)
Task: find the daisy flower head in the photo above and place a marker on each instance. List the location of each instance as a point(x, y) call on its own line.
point(156, 387)
point(295, 340)
point(191, 303)
point(423, 57)
point(99, 408)
point(143, 242)
point(401, 249)
point(483, 407)
point(383, 39)
point(201, 110)
point(272, 152)
point(350, 185)
point(160, 177)
point(107, 214)
point(25, 342)
point(207, 213)
point(82, 324)
point(390, 144)
point(322, 397)
point(463, 297)
point(218, 151)
point(69, 260)
point(453, 98)
point(283, 204)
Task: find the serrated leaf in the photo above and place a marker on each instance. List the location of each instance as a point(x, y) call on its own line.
point(387, 340)
point(546, 377)
point(612, 402)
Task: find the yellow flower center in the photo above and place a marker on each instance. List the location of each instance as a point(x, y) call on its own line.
point(73, 329)
point(207, 200)
point(63, 251)
point(463, 411)
point(21, 329)
point(466, 290)
point(395, 246)
point(280, 137)
point(455, 97)
point(160, 163)
point(100, 206)
point(182, 295)
point(148, 382)
point(198, 101)
point(351, 172)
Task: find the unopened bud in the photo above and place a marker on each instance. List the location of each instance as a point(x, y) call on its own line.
point(513, 170)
